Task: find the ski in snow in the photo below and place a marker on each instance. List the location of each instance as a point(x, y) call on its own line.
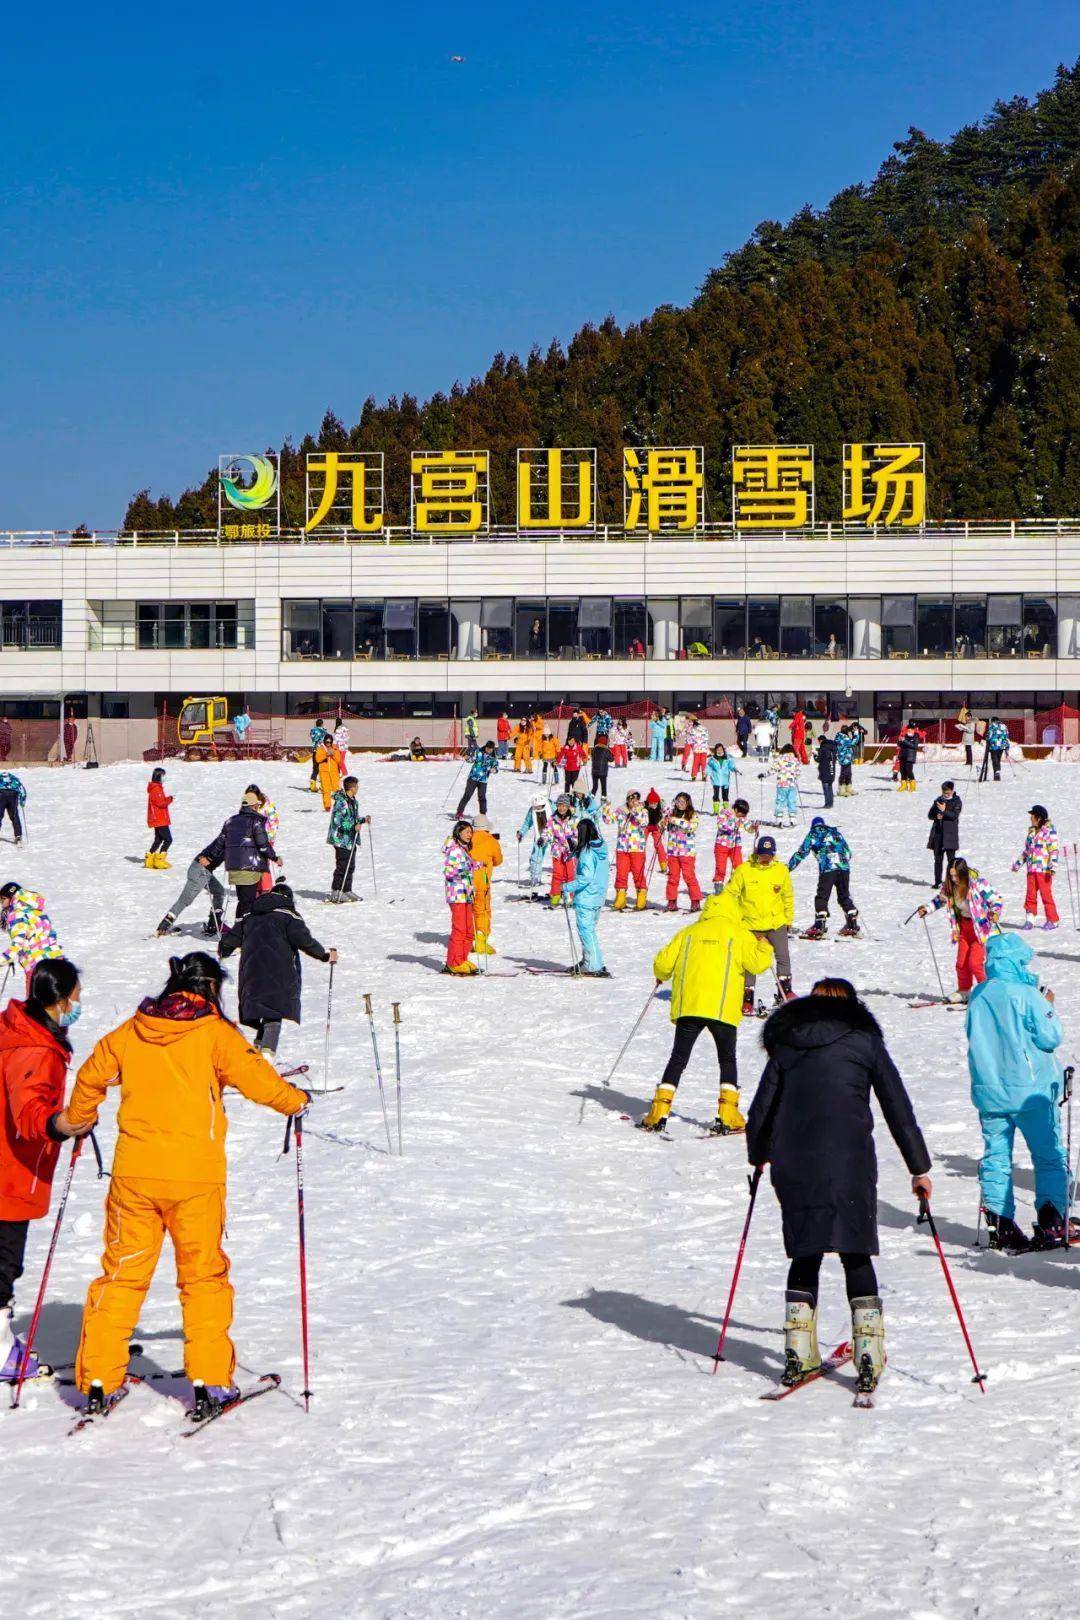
point(88, 1420)
point(839, 1357)
point(267, 1383)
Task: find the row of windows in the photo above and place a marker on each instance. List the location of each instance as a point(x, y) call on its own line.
point(598, 627)
point(177, 626)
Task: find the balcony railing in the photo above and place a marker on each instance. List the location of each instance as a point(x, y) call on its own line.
point(39, 635)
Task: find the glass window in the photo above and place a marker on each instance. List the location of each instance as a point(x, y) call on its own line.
point(496, 626)
point(301, 630)
point(337, 630)
point(763, 626)
point(399, 623)
point(1040, 627)
point(831, 627)
point(146, 625)
point(631, 628)
point(171, 629)
point(200, 615)
point(695, 624)
point(796, 626)
point(594, 626)
point(865, 615)
point(935, 627)
point(969, 626)
point(898, 626)
point(44, 624)
point(563, 628)
point(1003, 630)
point(367, 629)
point(465, 629)
point(226, 619)
point(729, 627)
point(530, 629)
point(434, 630)
point(664, 626)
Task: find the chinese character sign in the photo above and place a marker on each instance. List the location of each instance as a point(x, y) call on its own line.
point(249, 484)
point(772, 486)
point(344, 490)
point(886, 484)
point(449, 491)
point(663, 489)
point(556, 489)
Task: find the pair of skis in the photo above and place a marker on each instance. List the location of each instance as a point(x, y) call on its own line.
point(864, 1399)
point(265, 1385)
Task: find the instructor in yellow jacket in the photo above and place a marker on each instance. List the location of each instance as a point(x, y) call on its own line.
point(706, 964)
point(171, 1061)
point(762, 886)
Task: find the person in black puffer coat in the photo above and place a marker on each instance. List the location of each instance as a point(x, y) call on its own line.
point(270, 937)
point(248, 850)
point(811, 1121)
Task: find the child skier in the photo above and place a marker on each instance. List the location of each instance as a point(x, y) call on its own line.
point(549, 754)
point(1040, 856)
point(834, 867)
point(785, 768)
point(706, 963)
point(537, 822)
point(523, 747)
point(32, 935)
point(762, 885)
point(168, 1175)
point(157, 818)
point(720, 769)
point(34, 1055)
point(571, 758)
point(329, 773)
point(459, 890)
point(632, 823)
point(654, 834)
point(484, 766)
point(588, 890)
point(487, 854)
point(12, 799)
point(699, 743)
point(563, 846)
point(680, 838)
point(270, 938)
point(200, 876)
point(907, 752)
point(997, 745)
point(727, 849)
point(974, 913)
point(846, 744)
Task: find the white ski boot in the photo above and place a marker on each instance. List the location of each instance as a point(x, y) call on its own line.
point(801, 1354)
point(868, 1341)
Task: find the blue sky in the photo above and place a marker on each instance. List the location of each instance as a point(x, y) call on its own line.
point(219, 221)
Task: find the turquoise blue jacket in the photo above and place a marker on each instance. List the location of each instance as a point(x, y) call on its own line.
point(589, 885)
point(720, 771)
point(1012, 1031)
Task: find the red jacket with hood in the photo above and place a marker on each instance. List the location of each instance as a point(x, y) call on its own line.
point(33, 1068)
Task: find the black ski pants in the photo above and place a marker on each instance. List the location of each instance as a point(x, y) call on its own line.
point(687, 1031)
point(344, 865)
point(162, 840)
point(599, 783)
point(569, 778)
point(838, 883)
point(827, 790)
point(942, 857)
point(859, 1275)
point(480, 790)
point(12, 1253)
point(9, 806)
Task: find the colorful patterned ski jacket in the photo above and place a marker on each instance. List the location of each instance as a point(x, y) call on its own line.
point(846, 746)
point(829, 845)
point(984, 903)
point(10, 783)
point(785, 767)
point(631, 826)
point(344, 826)
point(997, 736)
point(483, 766)
point(563, 837)
point(1041, 849)
point(458, 868)
point(728, 829)
point(680, 835)
point(33, 937)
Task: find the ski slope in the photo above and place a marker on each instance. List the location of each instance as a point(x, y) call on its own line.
point(512, 1325)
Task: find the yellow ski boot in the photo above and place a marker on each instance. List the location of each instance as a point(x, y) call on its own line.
point(642, 900)
point(801, 1353)
point(482, 946)
point(659, 1109)
point(150, 860)
point(162, 862)
point(728, 1121)
point(620, 900)
point(464, 970)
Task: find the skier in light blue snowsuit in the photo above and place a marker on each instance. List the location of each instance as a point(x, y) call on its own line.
point(538, 823)
point(657, 733)
point(588, 890)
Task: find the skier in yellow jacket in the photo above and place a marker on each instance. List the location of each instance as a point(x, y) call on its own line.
point(762, 886)
point(171, 1062)
point(706, 964)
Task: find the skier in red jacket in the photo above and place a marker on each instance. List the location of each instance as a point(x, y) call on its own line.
point(157, 817)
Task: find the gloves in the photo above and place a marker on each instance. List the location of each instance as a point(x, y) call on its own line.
point(1016, 866)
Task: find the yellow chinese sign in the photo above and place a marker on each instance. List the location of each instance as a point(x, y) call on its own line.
point(556, 489)
point(247, 531)
point(772, 486)
point(344, 490)
point(663, 489)
point(885, 484)
point(449, 491)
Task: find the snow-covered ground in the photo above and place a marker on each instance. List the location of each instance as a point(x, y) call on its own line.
point(513, 1324)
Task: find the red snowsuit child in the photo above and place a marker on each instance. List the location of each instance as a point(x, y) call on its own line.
point(798, 737)
point(728, 847)
point(680, 833)
point(571, 759)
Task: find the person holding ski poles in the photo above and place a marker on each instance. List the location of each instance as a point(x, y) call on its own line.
point(459, 889)
point(785, 767)
point(35, 1051)
point(537, 822)
point(680, 839)
point(1040, 856)
point(811, 1122)
point(706, 963)
point(563, 846)
point(632, 825)
point(26, 922)
point(200, 876)
point(1013, 1032)
point(171, 1062)
point(727, 849)
point(249, 853)
point(997, 744)
point(484, 766)
point(654, 833)
point(699, 744)
point(719, 770)
point(846, 743)
point(12, 799)
point(762, 885)
point(571, 758)
point(343, 836)
point(270, 938)
point(974, 914)
point(833, 854)
point(588, 890)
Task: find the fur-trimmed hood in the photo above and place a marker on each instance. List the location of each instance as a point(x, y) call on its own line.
point(813, 1021)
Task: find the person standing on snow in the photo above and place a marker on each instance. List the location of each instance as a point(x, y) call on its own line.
point(34, 1054)
point(269, 938)
point(833, 854)
point(811, 1122)
point(549, 754)
point(785, 767)
point(798, 736)
point(484, 766)
point(657, 733)
point(680, 839)
point(486, 854)
point(157, 818)
point(632, 823)
point(1013, 1032)
point(706, 964)
point(503, 732)
point(572, 758)
point(846, 743)
point(248, 850)
point(764, 737)
point(459, 889)
point(472, 733)
point(329, 773)
point(974, 914)
point(319, 735)
point(32, 936)
point(699, 744)
point(743, 727)
point(171, 1063)
point(1040, 856)
point(600, 762)
point(343, 836)
point(588, 890)
point(997, 744)
point(720, 769)
point(944, 818)
point(563, 846)
point(907, 752)
point(200, 876)
point(654, 809)
point(762, 885)
point(826, 766)
point(727, 849)
point(12, 799)
point(537, 822)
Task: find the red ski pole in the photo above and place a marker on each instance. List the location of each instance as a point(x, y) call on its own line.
point(294, 1124)
point(719, 1353)
point(36, 1318)
point(925, 1215)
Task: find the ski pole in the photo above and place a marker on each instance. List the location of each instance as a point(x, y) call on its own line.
point(326, 1036)
point(570, 931)
point(378, 1070)
point(1069, 881)
point(908, 918)
point(294, 1123)
point(1067, 1100)
point(371, 852)
point(396, 1005)
point(718, 1355)
point(925, 1215)
point(25, 825)
point(933, 953)
point(637, 1025)
point(76, 1149)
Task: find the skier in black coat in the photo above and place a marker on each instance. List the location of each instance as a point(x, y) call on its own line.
point(811, 1121)
point(248, 850)
point(270, 937)
point(826, 767)
point(944, 818)
point(578, 729)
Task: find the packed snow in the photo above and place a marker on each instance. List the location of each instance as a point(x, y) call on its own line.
point(514, 1412)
